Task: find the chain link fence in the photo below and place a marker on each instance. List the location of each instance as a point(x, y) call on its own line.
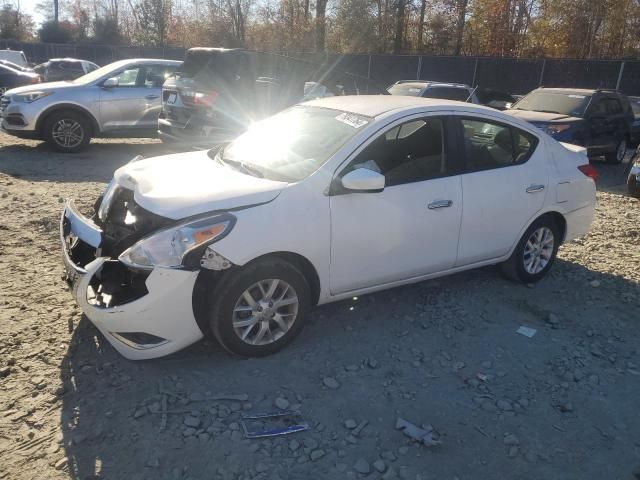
point(512, 75)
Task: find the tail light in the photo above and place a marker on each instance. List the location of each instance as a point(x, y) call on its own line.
point(198, 99)
point(589, 171)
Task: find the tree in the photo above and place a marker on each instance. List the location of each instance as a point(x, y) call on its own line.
point(321, 24)
point(61, 32)
point(15, 25)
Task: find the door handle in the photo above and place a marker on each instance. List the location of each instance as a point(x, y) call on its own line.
point(440, 204)
point(152, 97)
point(535, 188)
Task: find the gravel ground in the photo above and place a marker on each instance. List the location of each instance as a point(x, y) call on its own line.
point(443, 355)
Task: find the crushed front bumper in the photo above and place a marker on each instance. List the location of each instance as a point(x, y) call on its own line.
point(155, 324)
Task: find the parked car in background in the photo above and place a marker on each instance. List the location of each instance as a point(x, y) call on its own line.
point(495, 98)
point(11, 78)
point(15, 66)
point(58, 69)
point(635, 126)
point(119, 100)
point(430, 89)
point(633, 180)
point(219, 92)
point(218, 241)
point(599, 120)
point(14, 56)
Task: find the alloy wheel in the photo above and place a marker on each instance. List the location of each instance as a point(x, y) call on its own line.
point(265, 312)
point(67, 133)
point(538, 250)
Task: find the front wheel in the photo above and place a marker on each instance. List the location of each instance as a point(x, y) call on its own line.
point(616, 157)
point(535, 252)
point(258, 309)
point(67, 131)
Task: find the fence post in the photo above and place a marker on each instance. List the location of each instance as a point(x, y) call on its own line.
point(419, 67)
point(475, 69)
point(544, 64)
point(369, 68)
point(620, 75)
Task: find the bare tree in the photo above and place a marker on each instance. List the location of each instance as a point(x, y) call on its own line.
point(321, 24)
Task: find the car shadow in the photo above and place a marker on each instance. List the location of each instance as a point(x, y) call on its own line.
point(113, 423)
point(95, 164)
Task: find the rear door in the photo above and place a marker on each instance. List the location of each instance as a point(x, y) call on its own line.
point(504, 185)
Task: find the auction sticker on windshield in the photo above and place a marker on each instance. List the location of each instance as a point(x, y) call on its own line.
point(352, 120)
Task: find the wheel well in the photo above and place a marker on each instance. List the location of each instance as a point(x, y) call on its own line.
point(304, 265)
point(64, 107)
point(559, 221)
point(207, 280)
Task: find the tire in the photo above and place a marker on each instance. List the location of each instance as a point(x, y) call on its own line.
point(230, 305)
point(617, 156)
point(59, 124)
point(517, 268)
point(633, 186)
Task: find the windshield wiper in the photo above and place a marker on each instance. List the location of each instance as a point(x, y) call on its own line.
point(251, 170)
point(549, 111)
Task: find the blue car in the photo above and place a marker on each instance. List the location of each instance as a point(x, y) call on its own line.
point(635, 126)
point(599, 120)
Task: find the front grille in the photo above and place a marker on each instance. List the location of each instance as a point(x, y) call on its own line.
point(4, 102)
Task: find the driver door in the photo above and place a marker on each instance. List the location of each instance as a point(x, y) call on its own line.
point(409, 229)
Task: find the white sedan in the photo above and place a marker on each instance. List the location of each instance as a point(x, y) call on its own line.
point(333, 198)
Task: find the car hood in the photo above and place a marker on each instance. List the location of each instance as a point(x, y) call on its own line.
point(186, 184)
point(542, 117)
point(41, 87)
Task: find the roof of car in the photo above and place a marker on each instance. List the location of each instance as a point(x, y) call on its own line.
point(425, 83)
point(570, 91)
point(374, 105)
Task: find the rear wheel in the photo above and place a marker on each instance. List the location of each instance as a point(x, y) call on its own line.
point(535, 252)
point(260, 308)
point(67, 131)
point(617, 156)
point(633, 186)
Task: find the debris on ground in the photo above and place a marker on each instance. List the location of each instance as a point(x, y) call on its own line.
point(426, 437)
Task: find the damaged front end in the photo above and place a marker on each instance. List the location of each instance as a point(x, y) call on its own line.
point(133, 272)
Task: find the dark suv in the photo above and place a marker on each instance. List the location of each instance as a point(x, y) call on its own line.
point(218, 92)
point(599, 120)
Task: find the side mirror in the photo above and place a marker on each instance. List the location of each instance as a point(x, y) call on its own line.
point(110, 82)
point(363, 180)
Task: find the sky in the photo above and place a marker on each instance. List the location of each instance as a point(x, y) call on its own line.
point(30, 7)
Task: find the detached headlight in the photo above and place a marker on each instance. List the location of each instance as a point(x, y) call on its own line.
point(555, 128)
point(171, 247)
point(30, 97)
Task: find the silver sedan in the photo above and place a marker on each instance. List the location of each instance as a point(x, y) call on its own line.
point(121, 99)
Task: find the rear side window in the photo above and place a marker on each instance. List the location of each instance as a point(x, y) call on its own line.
point(490, 145)
point(613, 106)
point(447, 93)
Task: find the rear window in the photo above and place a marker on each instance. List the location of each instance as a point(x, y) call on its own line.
point(448, 93)
point(409, 89)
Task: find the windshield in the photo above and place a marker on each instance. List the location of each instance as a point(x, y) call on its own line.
point(573, 105)
point(101, 72)
point(410, 89)
point(293, 144)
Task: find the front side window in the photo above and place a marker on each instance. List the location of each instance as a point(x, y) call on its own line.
point(613, 106)
point(128, 77)
point(410, 152)
point(490, 145)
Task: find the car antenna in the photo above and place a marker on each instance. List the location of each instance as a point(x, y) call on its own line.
point(471, 94)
